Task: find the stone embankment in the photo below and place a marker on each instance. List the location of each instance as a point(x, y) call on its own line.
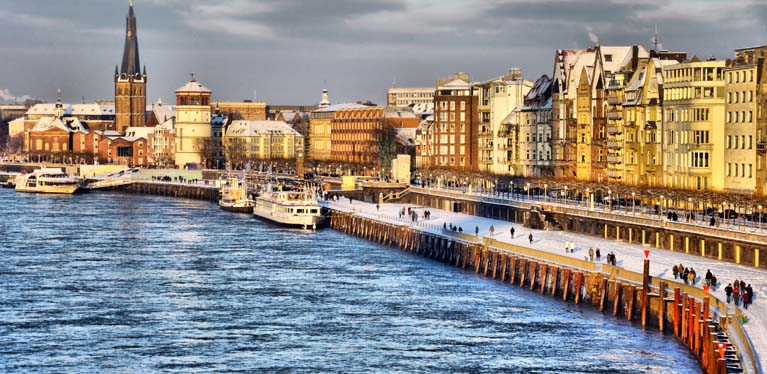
point(688, 313)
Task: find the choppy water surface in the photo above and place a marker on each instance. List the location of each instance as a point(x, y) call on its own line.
point(126, 283)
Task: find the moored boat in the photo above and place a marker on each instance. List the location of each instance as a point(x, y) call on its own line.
point(235, 197)
point(290, 208)
point(47, 180)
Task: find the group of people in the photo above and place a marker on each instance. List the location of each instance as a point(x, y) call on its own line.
point(739, 291)
point(597, 253)
point(452, 227)
point(685, 274)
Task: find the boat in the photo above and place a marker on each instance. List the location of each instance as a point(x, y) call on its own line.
point(235, 197)
point(47, 180)
point(290, 208)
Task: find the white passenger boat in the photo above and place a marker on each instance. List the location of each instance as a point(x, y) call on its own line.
point(234, 196)
point(47, 180)
point(290, 208)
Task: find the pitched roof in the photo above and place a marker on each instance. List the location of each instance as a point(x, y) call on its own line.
point(342, 106)
point(243, 128)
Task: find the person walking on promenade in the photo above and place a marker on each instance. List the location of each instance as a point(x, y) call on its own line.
point(511, 230)
point(681, 271)
point(599, 255)
point(444, 225)
point(691, 278)
point(476, 231)
point(492, 230)
point(728, 291)
point(676, 272)
point(736, 293)
point(531, 238)
point(685, 275)
point(567, 246)
point(591, 254)
point(750, 291)
point(708, 277)
point(746, 299)
point(378, 207)
point(693, 275)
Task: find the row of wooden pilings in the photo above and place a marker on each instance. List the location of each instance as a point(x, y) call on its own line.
point(188, 191)
point(691, 320)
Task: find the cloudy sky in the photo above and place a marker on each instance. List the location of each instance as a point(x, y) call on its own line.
point(285, 51)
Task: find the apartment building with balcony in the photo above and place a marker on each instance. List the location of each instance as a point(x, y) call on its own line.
point(456, 121)
point(694, 117)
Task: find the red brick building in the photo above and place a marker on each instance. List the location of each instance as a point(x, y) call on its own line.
point(455, 132)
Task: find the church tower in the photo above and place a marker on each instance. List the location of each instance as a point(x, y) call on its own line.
point(130, 82)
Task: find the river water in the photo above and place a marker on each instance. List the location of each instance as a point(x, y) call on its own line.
point(109, 282)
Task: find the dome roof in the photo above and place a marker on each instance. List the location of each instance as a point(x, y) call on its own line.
point(193, 86)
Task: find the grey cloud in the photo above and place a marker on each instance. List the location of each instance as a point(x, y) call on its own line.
point(588, 11)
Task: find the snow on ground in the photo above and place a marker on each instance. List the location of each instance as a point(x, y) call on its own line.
point(629, 256)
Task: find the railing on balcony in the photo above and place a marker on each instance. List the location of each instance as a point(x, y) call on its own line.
point(613, 100)
point(613, 130)
point(614, 144)
point(629, 124)
point(614, 174)
point(614, 159)
point(614, 115)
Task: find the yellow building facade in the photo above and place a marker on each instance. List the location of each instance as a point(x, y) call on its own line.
point(193, 127)
point(694, 117)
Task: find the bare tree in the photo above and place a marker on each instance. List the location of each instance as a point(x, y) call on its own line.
point(15, 143)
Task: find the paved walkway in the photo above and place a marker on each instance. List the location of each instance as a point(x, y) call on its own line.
point(629, 256)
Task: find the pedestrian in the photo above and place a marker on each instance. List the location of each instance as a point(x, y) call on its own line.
point(531, 238)
point(567, 246)
point(713, 281)
point(460, 229)
point(685, 275)
point(511, 230)
point(476, 231)
point(676, 272)
point(746, 299)
point(572, 246)
point(378, 208)
point(599, 255)
point(712, 222)
point(591, 254)
point(750, 292)
point(708, 277)
point(350, 200)
point(742, 284)
point(691, 278)
point(444, 226)
point(736, 293)
point(728, 291)
point(693, 274)
point(615, 260)
point(492, 230)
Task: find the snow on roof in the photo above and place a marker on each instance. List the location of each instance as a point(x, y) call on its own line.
point(620, 56)
point(243, 128)
point(139, 132)
point(68, 124)
point(342, 106)
point(162, 112)
point(73, 109)
point(423, 108)
point(395, 112)
point(193, 86)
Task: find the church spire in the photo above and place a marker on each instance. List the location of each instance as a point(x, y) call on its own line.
point(130, 65)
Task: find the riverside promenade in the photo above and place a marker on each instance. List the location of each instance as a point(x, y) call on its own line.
point(629, 257)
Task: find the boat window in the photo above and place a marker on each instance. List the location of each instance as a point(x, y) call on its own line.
point(300, 211)
point(314, 211)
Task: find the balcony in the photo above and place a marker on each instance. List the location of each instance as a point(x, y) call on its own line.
point(761, 147)
point(614, 159)
point(613, 100)
point(614, 115)
point(630, 124)
point(614, 174)
point(613, 130)
point(614, 144)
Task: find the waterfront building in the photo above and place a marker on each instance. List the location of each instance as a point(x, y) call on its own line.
point(129, 81)
point(407, 96)
point(122, 150)
point(529, 141)
point(498, 97)
point(52, 135)
point(320, 129)
point(455, 119)
point(368, 137)
point(424, 143)
point(745, 131)
point(245, 141)
point(242, 110)
point(164, 143)
point(193, 124)
point(694, 118)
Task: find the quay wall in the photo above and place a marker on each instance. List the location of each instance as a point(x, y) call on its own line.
point(748, 247)
point(681, 311)
point(182, 190)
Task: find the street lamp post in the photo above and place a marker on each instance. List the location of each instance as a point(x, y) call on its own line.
point(724, 214)
point(760, 217)
point(545, 186)
point(660, 206)
point(633, 204)
point(527, 188)
point(610, 199)
point(588, 198)
point(689, 209)
point(565, 195)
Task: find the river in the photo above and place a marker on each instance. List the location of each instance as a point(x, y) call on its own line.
point(109, 282)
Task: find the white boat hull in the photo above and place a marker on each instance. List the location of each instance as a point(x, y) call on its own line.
point(306, 222)
point(64, 189)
